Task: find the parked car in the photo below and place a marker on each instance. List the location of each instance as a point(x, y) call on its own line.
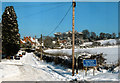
point(20, 55)
point(23, 53)
point(17, 58)
point(3, 56)
point(11, 57)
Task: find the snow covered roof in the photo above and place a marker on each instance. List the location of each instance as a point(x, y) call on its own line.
point(80, 32)
point(58, 33)
point(68, 32)
point(23, 41)
point(30, 39)
point(33, 40)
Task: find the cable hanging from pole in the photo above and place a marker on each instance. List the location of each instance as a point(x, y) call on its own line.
point(60, 21)
point(39, 5)
point(47, 10)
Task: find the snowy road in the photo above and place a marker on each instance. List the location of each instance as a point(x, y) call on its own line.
point(28, 68)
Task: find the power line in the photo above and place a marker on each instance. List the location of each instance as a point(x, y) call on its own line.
point(47, 10)
point(40, 5)
point(60, 21)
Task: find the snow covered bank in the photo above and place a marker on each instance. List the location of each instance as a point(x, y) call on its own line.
point(110, 53)
point(62, 74)
point(8, 69)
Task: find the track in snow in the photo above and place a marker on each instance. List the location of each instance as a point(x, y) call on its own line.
point(29, 71)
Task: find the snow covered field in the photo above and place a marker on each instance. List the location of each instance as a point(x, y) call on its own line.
point(111, 41)
point(110, 53)
point(30, 69)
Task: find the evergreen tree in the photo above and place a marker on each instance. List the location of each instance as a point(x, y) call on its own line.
point(93, 35)
point(86, 34)
point(113, 35)
point(0, 41)
point(10, 32)
point(102, 36)
point(118, 34)
point(108, 36)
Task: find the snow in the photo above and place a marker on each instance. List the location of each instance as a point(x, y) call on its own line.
point(86, 44)
point(110, 52)
point(111, 41)
point(29, 68)
point(20, 52)
point(23, 41)
point(35, 41)
point(7, 69)
point(25, 69)
point(32, 39)
point(7, 12)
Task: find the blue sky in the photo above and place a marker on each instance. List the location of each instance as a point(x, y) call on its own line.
point(35, 18)
point(59, 0)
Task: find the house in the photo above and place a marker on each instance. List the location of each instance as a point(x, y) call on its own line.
point(30, 42)
point(78, 38)
point(63, 43)
point(58, 35)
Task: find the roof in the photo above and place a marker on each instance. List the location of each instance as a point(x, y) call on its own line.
point(80, 32)
point(58, 33)
point(30, 39)
point(22, 41)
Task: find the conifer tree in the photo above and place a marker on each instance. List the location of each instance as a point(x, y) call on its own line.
point(10, 32)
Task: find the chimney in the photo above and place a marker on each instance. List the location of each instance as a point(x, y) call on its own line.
point(33, 38)
point(29, 37)
point(24, 37)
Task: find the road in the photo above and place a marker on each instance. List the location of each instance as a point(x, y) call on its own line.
point(30, 70)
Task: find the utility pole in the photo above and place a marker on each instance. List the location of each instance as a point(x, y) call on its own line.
point(35, 41)
point(73, 34)
point(41, 48)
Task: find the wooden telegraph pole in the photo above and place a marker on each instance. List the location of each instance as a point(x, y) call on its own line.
point(41, 47)
point(73, 34)
point(35, 41)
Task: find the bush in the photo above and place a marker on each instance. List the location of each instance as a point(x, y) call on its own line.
point(96, 44)
point(107, 44)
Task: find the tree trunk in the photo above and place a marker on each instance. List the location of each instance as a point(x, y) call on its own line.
point(0, 57)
